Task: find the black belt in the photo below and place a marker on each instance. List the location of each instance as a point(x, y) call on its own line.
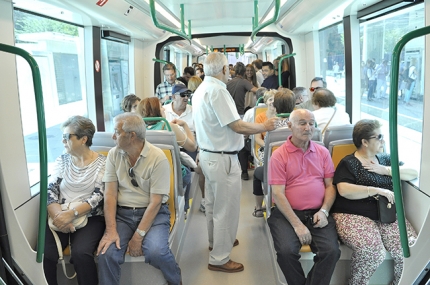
point(222, 152)
point(134, 208)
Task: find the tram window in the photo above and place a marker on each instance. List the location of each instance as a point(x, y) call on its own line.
point(115, 78)
point(377, 39)
point(332, 60)
point(58, 49)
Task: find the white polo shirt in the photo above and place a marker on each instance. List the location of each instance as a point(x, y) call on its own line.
point(213, 110)
point(186, 116)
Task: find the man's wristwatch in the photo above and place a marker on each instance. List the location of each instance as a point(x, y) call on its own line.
point(75, 212)
point(141, 233)
point(325, 212)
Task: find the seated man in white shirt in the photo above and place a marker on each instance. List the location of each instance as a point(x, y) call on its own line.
point(179, 108)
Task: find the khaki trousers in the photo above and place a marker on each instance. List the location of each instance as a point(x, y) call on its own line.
point(222, 194)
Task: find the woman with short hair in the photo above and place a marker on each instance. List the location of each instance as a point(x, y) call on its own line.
point(77, 176)
point(361, 178)
point(129, 103)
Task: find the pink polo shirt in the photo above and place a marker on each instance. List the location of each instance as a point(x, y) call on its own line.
point(302, 173)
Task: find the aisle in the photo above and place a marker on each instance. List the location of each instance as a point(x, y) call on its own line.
point(252, 251)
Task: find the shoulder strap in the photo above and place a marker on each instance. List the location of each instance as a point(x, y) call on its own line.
point(60, 254)
point(325, 128)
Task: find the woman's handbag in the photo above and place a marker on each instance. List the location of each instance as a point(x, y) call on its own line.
point(77, 223)
point(386, 210)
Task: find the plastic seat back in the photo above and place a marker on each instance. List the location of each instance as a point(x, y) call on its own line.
point(339, 149)
point(336, 133)
point(103, 139)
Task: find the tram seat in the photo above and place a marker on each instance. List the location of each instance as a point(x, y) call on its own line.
point(103, 150)
point(103, 139)
point(257, 110)
point(339, 149)
point(337, 133)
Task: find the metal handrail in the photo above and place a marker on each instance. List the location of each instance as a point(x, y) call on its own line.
point(151, 119)
point(181, 33)
point(255, 30)
point(259, 100)
point(283, 115)
point(178, 73)
point(41, 127)
point(394, 81)
point(280, 65)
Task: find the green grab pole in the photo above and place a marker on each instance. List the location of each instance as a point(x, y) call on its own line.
point(166, 62)
point(189, 29)
point(166, 28)
point(151, 119)
point(225, 53)
point(279, 66)
point(259, 100)
point(394, 81)
point(181, 8)
point(265, 24)
point(283, 115)
point(41, 128)
point(255, 18)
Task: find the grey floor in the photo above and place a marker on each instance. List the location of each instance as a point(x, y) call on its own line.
point(252, 251)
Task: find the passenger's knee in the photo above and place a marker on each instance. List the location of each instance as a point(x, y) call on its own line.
point(287, 251)
point(155, 253)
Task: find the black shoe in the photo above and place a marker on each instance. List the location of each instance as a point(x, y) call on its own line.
point(245, 176)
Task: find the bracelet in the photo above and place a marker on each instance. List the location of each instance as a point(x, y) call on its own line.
point(325, 212)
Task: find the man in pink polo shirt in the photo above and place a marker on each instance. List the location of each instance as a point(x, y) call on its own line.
point(301, 174)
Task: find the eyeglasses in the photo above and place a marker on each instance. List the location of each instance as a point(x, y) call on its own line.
point(312, 89)
point(66, 136)
point(131, 174)
point(379, 137)
point(185, 93)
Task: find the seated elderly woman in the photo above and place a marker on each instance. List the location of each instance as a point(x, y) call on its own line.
point(77, 177)
point(325, 111)
point(129, 103)
point(359, 178)
point(283, 102)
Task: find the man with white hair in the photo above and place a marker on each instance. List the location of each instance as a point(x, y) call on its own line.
point(219, 128)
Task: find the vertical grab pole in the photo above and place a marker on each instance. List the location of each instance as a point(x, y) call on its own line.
point(394, 81)
point(41, 127)
point(279, 66)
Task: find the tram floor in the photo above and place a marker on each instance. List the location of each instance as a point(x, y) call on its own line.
point(253, 250)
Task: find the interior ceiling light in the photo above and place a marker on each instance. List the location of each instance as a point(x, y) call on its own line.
point(272, 11)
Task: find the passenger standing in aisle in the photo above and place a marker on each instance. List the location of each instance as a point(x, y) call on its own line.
point(218, 127)
point(164, 89)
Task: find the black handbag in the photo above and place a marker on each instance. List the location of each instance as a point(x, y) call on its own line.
point(386, 210)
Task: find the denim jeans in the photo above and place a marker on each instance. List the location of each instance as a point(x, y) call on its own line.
point(409, 92)
point(287, 245)
point(155, 246)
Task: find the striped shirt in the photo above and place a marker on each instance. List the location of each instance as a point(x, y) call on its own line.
point(69, 183)
point(165, 88)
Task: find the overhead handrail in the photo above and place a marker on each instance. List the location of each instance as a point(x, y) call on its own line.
point(167, 62)
point(255, 30)
point(394, 81)
point(152, 119)
point(280, 65)
point(181, 33)
point(283, 115)
point(41, 128)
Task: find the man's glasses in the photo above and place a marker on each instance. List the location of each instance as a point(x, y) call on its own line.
point(312, 89)
point(379, 137)
point(67, 136)
point(131, 174)
point(186, 93)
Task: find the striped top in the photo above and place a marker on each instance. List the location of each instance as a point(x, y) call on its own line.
point(69, 183)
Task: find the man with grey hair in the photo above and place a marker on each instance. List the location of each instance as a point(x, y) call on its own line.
point(316, 83)
point(218, 126)
point(300, 94)
point(136, 214)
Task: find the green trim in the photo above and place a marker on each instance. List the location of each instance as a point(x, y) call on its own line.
point(279, 67)
point(255, 30)
point(41, 127)
point(394, 81)
point(159, 119)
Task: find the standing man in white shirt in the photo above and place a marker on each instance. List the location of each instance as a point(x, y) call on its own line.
point(258, 65)
point(218, 126)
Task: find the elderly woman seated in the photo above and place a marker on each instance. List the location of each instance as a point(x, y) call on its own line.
point(361, 178)
point(325, 111)
point(283, 102)
point(77, 177)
